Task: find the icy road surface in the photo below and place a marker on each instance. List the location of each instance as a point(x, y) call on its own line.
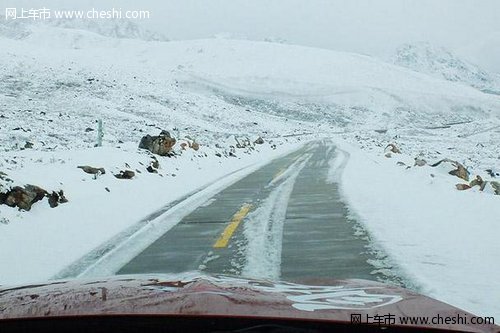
point(283, 221)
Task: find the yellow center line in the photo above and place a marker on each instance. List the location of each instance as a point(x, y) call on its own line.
point(233, 225)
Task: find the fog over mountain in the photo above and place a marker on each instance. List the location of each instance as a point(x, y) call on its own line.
point(467, 27)
point(441, 63)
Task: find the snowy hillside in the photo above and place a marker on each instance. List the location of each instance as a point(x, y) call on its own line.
point(441, 63)
point(68, 78)
point(56, 82)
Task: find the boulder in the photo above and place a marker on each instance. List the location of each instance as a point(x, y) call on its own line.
point(459, 170)
point(53, 199)
point(478, 181)
point(92, 170)
point(391, 147)
point(259, 141)
point(195, 146)
point(125, 174)
point(56, 198)
point(62, 197)
point(159, 145)
point(189, 143)
point(24, 198)
point(462, 187)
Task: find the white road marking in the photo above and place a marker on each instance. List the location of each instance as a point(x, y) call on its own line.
point(264, 228)
point(128, 249)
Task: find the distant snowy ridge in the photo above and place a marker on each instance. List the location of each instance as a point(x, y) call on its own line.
point(439, 62)
point(212, 85)
point(113, 28)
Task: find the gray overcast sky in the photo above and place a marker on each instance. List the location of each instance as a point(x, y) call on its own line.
point(365, 26)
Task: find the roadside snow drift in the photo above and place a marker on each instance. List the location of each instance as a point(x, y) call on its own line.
point(444, 240)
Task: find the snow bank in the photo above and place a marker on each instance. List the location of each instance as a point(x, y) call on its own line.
point(38, 244)
point(444, 240)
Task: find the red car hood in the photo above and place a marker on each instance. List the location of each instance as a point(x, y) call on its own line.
point(194, 294)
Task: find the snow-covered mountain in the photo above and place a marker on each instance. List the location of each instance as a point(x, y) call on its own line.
point(116, 28)
point(83, 75)
point(440, 62)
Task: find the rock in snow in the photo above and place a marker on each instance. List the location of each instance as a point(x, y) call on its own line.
point(159, 145)
point(24, 197)
point(125, 174)
point(458, 169)
point(92, 170)
point(259, 141)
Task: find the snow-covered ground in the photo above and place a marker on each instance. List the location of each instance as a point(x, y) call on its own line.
point(441, 63)
point(46, 240)
point(55, 82)
point(444, 240)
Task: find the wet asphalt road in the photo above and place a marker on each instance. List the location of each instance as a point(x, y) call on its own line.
point(283, 221)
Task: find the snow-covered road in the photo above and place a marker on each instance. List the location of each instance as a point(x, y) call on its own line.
point(284, 220)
